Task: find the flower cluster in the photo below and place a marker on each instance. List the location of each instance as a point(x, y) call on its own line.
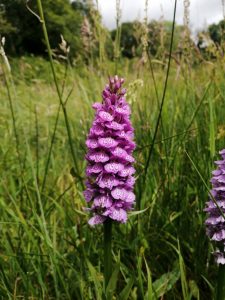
point(215, 222)
point(110, 182)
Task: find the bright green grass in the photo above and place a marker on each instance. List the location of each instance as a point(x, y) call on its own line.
point(47, 250)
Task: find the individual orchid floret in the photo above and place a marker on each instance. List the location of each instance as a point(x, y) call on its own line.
point(110, 180)
point(215, 207)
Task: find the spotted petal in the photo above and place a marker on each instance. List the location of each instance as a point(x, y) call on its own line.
point(99, 156)
point(113, 167)
point(107, 142)
point(105, 116)
point(97, 219)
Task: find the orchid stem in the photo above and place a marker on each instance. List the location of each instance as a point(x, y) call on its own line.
point(107, 251)
point(221, 283)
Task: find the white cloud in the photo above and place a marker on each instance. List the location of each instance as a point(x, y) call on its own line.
point(202, 12)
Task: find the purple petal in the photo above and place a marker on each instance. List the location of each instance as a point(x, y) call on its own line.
point(216, 172)
point(130, 181)
point(119, 193)
point(221, 178)
point(119, 215)
point(222, 152)
point(123, 110)
point(219, 188)
point(107, 181)
point(88, 194)
point(97, 105)
point(130, 197)
point(102, 201)
point(92, 143)
point(97, 219)
point(214, 220)
point(119, 152)
point(219, 236)
point(219, 257)
point(113, 167)
point(219, 162)
point(114, 125)
point(107, 142)
point(97, 130)
point(127, 171)
point(99, 157)
point(95, 169)
point(105, 116)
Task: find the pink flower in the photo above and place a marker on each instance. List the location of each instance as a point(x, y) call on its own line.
point(110, 147)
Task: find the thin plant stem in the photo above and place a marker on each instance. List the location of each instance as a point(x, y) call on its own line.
point(220, 295)
point(13, 119)
point(164, 94)
point(107, 251)
point(54, 132)
point(157, 97)
point(50, 150)
point(68, 129)
point(37, 143)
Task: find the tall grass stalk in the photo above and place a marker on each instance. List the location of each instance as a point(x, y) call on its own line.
point(117, 49)
point(54, 130)
point(13, 116)
point(163, 95)
point(68, 128)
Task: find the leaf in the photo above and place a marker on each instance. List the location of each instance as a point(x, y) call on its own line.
point(194, 289)
point(165, 283)
point(149, 294)
point(126, 291)
point(95, 279)
point(211, 287)
point(112, 282)
point(137, 212)
point(81, 213)
point(184, 284)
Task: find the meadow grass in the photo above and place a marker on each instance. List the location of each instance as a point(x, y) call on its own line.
point(48, 251)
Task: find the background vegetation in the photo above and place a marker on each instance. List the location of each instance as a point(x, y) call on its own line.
point(47, 250)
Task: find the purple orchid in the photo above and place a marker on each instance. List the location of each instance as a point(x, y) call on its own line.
point(215, 222)
point(110, 180)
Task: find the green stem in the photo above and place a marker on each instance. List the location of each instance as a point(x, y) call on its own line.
point(220, 295)
point(163, 96)
point(107, 251)
point(45, 32)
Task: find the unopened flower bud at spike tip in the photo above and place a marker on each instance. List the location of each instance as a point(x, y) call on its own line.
point(110, 157)
point(215, 222)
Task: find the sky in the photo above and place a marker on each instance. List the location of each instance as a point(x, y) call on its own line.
point(202, 12)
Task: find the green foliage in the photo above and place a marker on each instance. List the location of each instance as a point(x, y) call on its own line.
point(63, 259)
point(22, 29)
point(5, 26)
point(217, 32)
point(128, 43)
point(61, 18)
point(159, 36)
point(48, 251)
